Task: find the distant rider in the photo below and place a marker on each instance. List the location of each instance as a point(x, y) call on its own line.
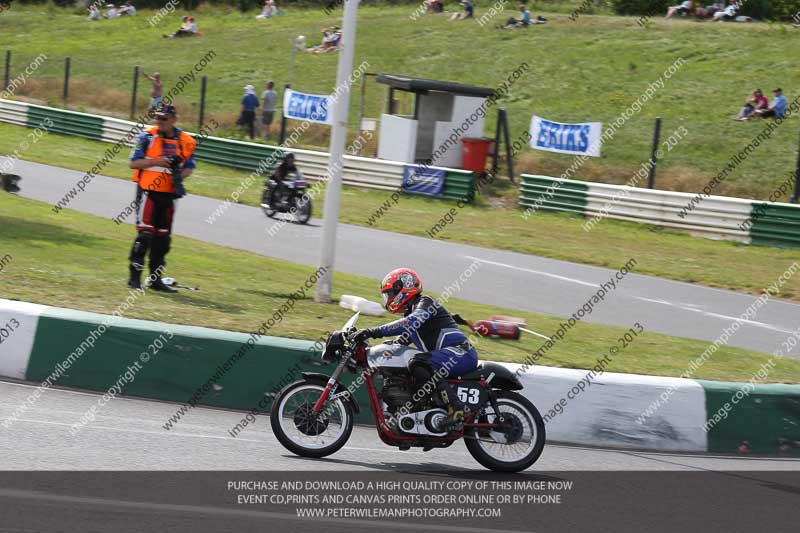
point(431, 328)
point(280, 175)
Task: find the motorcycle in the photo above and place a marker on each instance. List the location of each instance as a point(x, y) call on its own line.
point(291, 198)
point(314, 417)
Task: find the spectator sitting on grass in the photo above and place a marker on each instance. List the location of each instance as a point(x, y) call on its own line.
point(523, 21)
point(188, 28)
point(469, 11)
point(127, 9)
point(94, 13)
point(709, 10)
point(726, 14)
point(776, 109)
point(111, 13)
point(434, 6)
point(683, 9)
point(268, 11)
point(331, 40)
point(757, 101)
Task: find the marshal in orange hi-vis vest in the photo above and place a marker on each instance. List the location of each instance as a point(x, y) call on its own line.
point(159, 179)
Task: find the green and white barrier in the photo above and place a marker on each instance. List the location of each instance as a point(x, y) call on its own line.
point(714, 217)
point(91, 351)
point(358, 171)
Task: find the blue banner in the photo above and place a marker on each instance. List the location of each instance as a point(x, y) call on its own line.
point(422, 180)
point(583, 138)
point(311, 107)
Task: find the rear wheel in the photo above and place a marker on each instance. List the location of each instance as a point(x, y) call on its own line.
point(520, 442)
point(304, 432)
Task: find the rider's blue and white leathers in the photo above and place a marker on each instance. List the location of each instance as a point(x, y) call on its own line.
point(429, 326)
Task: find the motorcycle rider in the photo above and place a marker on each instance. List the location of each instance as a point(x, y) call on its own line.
point(431, 328)
point(280, 174)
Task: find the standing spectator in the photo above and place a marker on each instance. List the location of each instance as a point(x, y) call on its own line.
point(160, 151)
point(157, 89)
point(756, 102)
point(777, 108)
point(247, 117)
point(268, 99)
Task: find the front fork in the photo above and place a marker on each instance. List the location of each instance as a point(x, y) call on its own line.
point(330, 386)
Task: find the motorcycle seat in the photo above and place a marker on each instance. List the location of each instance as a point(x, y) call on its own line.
point(477, 373)
point(503, 377)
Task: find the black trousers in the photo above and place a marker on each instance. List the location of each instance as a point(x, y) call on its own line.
point(154, 215)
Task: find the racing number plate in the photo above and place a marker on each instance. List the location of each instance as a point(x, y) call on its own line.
point(472, 395)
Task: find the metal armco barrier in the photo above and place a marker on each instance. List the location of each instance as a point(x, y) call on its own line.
point(714, 217)
point(358, 171)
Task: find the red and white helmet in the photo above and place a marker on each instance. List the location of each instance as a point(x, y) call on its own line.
point(399, 287)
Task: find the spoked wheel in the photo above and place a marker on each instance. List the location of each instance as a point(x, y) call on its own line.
point(269, 211)
point(304, 432)
point(302, 209)
point(515, 446)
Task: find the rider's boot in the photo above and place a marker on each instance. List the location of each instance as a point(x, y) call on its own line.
point(456, 410)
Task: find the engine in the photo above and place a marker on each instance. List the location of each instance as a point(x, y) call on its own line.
point(396, 392)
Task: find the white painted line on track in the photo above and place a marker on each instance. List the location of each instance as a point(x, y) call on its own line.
point(688, 307)
point(531, 271)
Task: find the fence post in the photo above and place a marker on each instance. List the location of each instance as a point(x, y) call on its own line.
point(651, 174)
point(796, 195)
point(282, 136)
point(509, 152)
point(135, 90)
point(7, 75)
point(66, 79)
point(202, 114)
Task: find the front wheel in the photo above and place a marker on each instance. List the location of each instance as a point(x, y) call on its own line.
point(265, 205)
point(303, 432)
point(302, 209)
point(520, 442)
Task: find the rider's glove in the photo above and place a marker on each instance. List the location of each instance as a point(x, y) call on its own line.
point(364, 334)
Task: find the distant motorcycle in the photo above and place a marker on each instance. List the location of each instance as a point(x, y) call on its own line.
point(314, 417)
point(290, 197)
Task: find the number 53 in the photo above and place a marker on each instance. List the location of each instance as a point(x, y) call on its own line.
point(468, 395)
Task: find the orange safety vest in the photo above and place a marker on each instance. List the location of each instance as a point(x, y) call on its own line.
point(159, 179)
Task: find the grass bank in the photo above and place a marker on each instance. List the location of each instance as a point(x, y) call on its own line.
point(589, 69)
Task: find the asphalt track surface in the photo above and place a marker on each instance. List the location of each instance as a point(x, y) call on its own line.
point(506, 279)
point(616, 490)
point(128, 434)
